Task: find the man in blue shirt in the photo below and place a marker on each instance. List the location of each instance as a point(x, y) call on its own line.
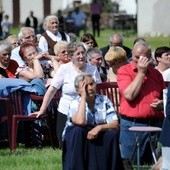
point(80, 20)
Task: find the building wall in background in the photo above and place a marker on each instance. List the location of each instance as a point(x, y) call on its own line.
point(37, 7)
point(27, 5)
point(128, 5)
point(153, 17)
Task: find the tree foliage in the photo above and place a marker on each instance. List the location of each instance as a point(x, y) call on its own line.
point(107, 5)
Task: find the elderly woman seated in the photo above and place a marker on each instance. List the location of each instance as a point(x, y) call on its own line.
point(32, 71)
point(13, 40)
point(53, 63)
point(8, 67)
point(90, 137)
point(61, 56)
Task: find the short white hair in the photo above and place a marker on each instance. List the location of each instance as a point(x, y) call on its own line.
point(20, 34)
point(47, 19)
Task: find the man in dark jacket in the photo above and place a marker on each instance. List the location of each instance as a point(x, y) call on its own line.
point(32, 21)
point(116, 40)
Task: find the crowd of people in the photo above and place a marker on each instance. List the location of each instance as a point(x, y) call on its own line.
point(89, 131)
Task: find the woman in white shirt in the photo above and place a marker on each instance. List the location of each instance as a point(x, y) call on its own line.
point(64, 80)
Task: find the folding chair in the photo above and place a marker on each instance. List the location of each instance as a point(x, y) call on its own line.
point(110, 89)
point(51, 112)
point(15, 115)
point(4, 109)
point(138, 130)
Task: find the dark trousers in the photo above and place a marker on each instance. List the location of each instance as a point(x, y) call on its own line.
point(61, 121)
point(102, 153)
point(96, 24)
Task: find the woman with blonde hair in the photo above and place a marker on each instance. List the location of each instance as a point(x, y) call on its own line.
point(60, 50)
point(60, 57)
point(115, 57)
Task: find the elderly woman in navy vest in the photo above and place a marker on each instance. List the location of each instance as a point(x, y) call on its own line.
point(90, 138)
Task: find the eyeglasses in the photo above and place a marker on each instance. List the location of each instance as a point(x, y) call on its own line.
point(15, 43)
point(64, 52)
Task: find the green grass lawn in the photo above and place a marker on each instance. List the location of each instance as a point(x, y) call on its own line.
point(35, 159)
point(129, 37)
point(30, 159)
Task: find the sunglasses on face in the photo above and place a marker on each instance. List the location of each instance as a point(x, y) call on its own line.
point(64, 51)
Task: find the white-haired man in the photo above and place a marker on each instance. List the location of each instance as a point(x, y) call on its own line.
point(25, 34)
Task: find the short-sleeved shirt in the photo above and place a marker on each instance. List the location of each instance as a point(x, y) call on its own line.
point(103, 113)
point(23, 68)
point(64, 78)
point(166, 75)
point(78, 18)
point(151, 89)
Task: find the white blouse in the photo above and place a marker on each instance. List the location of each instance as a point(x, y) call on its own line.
point(64, 79)
point(43, 44)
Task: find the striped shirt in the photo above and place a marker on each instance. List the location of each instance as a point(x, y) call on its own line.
point(103, 112)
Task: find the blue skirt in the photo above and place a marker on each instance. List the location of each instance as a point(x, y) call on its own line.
point(102, 153)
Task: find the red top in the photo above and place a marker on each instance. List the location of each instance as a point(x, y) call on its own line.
point(151, 89)
point(13, 65)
